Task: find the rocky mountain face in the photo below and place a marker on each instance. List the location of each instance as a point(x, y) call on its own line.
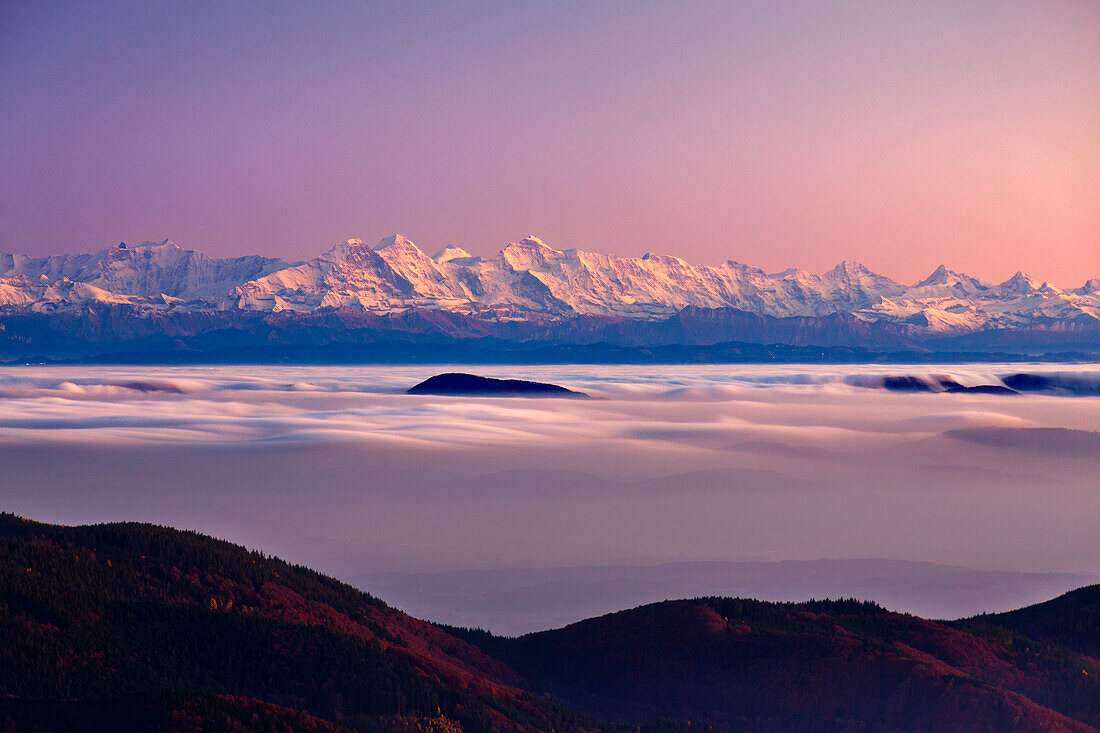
point(572, 295)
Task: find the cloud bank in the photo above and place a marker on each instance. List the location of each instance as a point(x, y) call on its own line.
point(340, 469)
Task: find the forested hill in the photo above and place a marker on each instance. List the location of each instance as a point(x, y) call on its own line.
point(200, 629)
point(122, 627)
point(1071, 620)
point(819, 666)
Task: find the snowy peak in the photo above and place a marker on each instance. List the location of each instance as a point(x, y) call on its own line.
point(451, 252)
point(533, 246)
point(945, 282)
point(533, 241)
point(853, 271)
point(396, 241)
point(399, 250)
point(342, 249)
point(1019, 284)
point(528, 253)
point(848, 268)
point(526, 280)
point(663, 260)
point(940, 276)
point(149, 270)
point(853, 285)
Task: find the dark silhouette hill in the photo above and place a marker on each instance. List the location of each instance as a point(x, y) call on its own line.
point(457, 383)
point(121, 627)
point(1071, 620)
point(823, 666)
point(174, 713)
point(99, 613)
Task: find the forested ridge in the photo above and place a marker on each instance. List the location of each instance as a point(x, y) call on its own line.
point(842, 665)
point(131, 626)
point(109, 612)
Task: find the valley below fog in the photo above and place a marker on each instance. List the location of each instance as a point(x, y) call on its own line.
point(776, 481)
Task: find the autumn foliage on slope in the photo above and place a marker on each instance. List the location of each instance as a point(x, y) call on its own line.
point(831, 665)
point(101, 612)
point(135, 627)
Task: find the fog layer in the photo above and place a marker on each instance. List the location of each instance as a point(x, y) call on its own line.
point(337, 468)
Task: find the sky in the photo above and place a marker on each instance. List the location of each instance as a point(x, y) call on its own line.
point(779, 134)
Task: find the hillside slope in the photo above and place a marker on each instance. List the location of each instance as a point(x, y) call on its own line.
point(108, 611)
point(135, 627)
point(1071, 620)
point(831, 665)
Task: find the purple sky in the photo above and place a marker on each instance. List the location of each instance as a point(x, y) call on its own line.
point(903, 134)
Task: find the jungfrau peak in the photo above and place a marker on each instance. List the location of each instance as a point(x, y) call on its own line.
point(527, 279)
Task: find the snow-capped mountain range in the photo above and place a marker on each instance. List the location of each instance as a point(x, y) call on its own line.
point(526, 279)
point(165, 273)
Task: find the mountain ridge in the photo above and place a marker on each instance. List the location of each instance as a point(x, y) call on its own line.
point(528, 292)
point(526, 275)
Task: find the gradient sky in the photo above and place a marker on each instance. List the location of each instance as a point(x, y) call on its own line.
point(903, 134)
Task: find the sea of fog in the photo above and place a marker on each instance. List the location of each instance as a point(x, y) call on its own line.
point(776, 481)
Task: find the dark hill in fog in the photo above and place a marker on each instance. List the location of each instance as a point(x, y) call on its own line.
point(457, 383)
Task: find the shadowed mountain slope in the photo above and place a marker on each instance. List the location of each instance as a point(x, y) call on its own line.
point(137, 627)
point(176, 713)
point(1071, 620)
point(107, 611)
point(831, 665)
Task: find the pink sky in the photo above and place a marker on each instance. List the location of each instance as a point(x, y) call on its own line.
point(901, 134)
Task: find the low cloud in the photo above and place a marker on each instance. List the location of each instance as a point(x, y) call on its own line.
point(340, 469)
point(1048, 441)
